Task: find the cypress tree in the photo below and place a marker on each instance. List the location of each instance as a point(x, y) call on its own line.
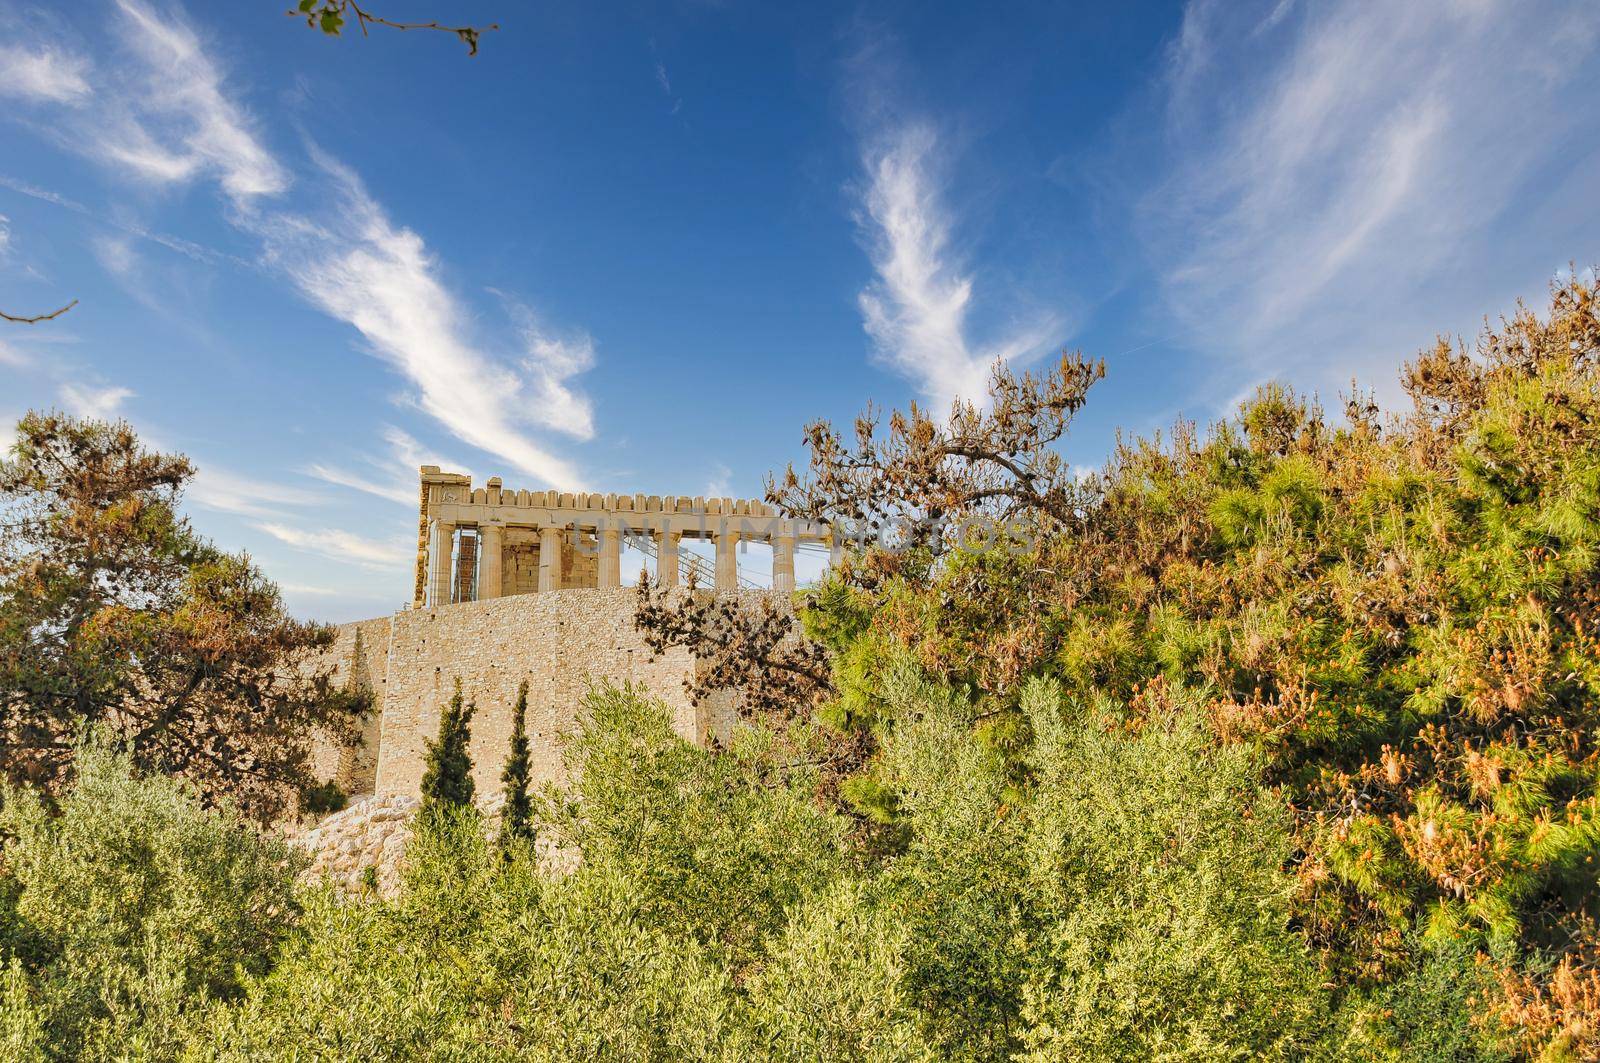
point(447, 781)
point(516, 819)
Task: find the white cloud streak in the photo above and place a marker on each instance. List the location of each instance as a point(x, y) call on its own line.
point(165, 119)
point(380, 278)
point(361, 268)
point(307, 589)
point(398, 480)
point(43, 74)
point(392, 491)
point(90, 401)
point(168, 118)
point(186, 124)
point(666, 86)
point(1345, 178)
point(916, 309)
point(339, 545)
point(43, 194)
point(223, 491)
point(550, 363)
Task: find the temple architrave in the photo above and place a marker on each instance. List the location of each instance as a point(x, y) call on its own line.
point(474, 544)
point(514, 586)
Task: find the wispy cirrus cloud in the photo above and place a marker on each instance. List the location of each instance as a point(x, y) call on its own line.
point(280, 511)
point(165, 118)
point(361, 268)
point(357, 265)
point(548, 366)
point(184, 123)
point(917, 308)
point(224, 491)
point(391, 490)
point(124, 225)
point(394, 476)
point(339, 545)
point(1347, 178)
point(666, 84)
point(42, 194)
point(307, 589)
point(168, 117)
point(43, 73)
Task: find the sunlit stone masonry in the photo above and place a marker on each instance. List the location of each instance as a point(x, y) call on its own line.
point(520, 585)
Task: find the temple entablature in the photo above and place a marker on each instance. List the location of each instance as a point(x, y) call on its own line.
point(490, 542)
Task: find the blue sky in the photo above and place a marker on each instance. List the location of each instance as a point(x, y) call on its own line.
point(638, 247)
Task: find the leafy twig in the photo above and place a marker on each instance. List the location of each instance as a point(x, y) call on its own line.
point(329, 16)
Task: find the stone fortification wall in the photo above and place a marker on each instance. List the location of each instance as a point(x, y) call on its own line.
point(360, 659)
point(559, 641)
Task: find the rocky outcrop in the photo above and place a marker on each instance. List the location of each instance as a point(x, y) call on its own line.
point(362, 847)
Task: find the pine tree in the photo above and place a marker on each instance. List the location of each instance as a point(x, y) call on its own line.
point(447, 782)
point(113, 610)
point(516, 822)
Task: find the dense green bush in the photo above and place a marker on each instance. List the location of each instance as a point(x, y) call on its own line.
point(666, 939)
point(1128, 901)
point(1124, 896)
point(130, 906)
point(706, 849)
point(1125, 899)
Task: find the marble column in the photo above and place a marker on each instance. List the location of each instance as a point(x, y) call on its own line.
point(491, 557)
point(550, 559)
point(610, 559)
point(439, 561)
point(783, 564)
point(727, 560)
point(667, 559)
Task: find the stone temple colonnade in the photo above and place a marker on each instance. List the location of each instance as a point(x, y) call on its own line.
point(488, 542)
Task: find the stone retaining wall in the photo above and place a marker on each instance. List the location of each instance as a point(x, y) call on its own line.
point(561, 642)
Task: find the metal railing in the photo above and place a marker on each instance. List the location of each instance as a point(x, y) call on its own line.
point(705, 570)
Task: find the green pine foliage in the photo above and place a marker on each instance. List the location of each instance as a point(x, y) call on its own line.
point(447, 774)
point(516, 822)
point(1398, 615)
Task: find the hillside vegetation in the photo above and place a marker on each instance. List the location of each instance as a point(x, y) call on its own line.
point(1275, 740)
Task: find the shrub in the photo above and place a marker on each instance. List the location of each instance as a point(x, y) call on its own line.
point(135, 905)
point(1157, 858)
point(709, 849)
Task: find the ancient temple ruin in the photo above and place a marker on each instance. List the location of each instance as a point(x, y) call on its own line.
point(474, 544)
point(519, 586)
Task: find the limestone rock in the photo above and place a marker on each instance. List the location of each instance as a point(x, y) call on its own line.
point(370, 833)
